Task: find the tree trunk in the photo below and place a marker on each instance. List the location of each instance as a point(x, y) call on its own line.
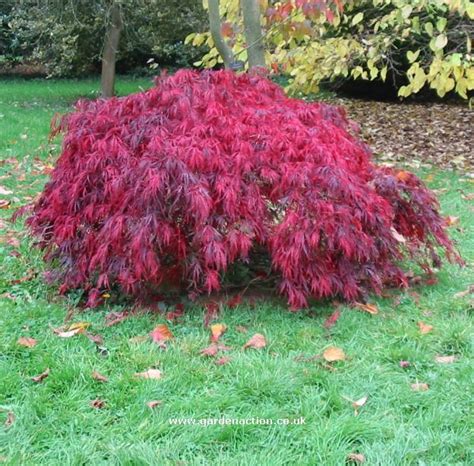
point(215, 26)
point(109, 53)
point(253, 32)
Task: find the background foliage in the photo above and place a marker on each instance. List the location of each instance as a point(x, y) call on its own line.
point(67, 37)
point(416, 44)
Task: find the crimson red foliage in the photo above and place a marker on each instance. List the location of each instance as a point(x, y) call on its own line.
point(175, 184)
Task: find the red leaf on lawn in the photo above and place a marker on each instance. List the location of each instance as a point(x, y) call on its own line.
point(114, 318)
point(210, 350)
point(234, 301)
point(176, 314)
point(332, 319)
point(212, 311)
point(154, 403)
point(161, 334)
point(39, 378)
point(27, 341)
point(99, 377)
point(223, 360)
point(257, 341)
point(217, 330)
point(404, 364)
point(97, 404)
point(213, 349)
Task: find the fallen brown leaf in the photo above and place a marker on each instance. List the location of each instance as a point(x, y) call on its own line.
point(241, 329)
point(97, 404)
point(4, 203)
point(333, 353)
point(27, 341)
point(99, 377)
point(370, 308)
point(357, 458)
point(97, 339)
point(419, 387)
point(149, 374)
point(153, 404)
point(10, 419)
point(424, 328)
point(39, 378)
point(113, 318)
point(445, 359)
point(257, 341)
point(217, 330)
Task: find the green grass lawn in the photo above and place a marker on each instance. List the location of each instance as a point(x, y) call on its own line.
point(53, 423)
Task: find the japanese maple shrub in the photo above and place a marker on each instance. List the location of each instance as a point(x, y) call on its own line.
point(175, 184)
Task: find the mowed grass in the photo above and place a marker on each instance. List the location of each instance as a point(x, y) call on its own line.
point(53, 422)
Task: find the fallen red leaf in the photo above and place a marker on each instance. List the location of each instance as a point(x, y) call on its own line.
point(257, 341)
point(161, 334)
point(234, 301)
point(172, 316)
point(404, 364)
point(223, 360)
point(39, 378)
point(27, 341)
point(153, 404)
point(332, 319)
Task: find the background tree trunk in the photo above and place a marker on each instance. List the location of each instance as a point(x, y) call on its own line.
point(253, 32)
point(215, 26)
point(112, 38)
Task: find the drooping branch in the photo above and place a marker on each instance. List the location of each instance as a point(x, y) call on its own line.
point(215, 26)
point(253, 32)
